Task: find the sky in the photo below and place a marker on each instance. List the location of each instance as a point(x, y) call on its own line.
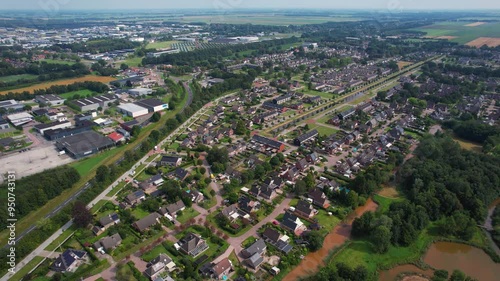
point(225, 5)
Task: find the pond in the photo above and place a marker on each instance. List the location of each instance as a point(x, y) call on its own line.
point(391, 274)
point(471, 260)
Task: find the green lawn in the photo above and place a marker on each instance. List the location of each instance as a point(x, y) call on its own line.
point(161, 44)
point(139, 213)
point(313, 93)
point(187, 214)
point(384, 202)
point(81, 93)
point(85, 166)
point(67, 233)
point(11, 134)
point(133, 61)
point(59, 61)
point(147, 257)
point(325, 131)
point(98, 206)
point(26, 269)
point(116, 189)
point(13, 78)
point(326, 221)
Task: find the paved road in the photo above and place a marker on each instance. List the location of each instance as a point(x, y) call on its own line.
point(103, 195)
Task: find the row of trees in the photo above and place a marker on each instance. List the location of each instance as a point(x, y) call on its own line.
point(34, 191)
point(97, 87)
point(98, 46)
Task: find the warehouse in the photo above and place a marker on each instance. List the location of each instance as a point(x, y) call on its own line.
point(41, 128)
point(62, 133)
point(133, 110)
point(137, 92)
point(153, 105)
point(49, 99)
point(84, 144)
point(93, 103)
point(19, 119)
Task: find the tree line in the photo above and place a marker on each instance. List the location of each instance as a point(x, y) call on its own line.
point(44, 71)
point(34, 191)
point(57, 90)
point(97, 46)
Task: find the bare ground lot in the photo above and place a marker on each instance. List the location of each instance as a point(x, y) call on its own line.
point(42, 157)
point(475, 24)
point(481, 41)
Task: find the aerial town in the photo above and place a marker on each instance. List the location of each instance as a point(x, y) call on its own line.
point(153, 148)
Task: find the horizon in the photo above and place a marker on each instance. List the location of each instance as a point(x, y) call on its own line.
point(235, 5)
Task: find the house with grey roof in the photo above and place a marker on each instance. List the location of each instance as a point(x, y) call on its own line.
point(147, 222)
point(108, 243)
point(192, 244)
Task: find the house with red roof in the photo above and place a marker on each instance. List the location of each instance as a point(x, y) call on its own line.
point(116, 137)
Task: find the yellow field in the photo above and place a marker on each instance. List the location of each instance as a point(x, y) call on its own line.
point(402, 64)
point(475, 24)
point(45, 85)
point(481, 41)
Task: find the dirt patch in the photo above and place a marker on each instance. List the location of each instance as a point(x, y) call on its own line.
point(414, 278)
point(481, 41)
point(311, 121)
point(475, 24)
point(389, 192)
point(45, 85)
point(402, 64)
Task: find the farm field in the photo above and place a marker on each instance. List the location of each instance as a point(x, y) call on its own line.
point(12, 78)
point(133, 61)
point(461, 32)
point(266, 19)
point(481, 41)
point(45, 85)
point(161, 44)
point(189, 46)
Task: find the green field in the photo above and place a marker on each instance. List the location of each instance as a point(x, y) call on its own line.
point(27, 268)
point(85, 166)
point(462, 33)
point(325, 131)
point(265, 19)
point(13, 78)
point(161, 45)
point(81, 93)
point(133, 61)
point(58, 61)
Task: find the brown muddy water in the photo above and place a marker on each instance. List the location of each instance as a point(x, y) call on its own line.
point(471, 260)
point(391, 274)
point(312, 261)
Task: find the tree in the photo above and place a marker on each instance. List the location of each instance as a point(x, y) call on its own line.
point(128, 83)
point(123, 66)
point(136, 130)
point(81, 215)
point(300, 187)
point(381, 239)
point(155, 117)
point(102, 173)
point(315, 240)
point(458, 275)
point(275, 161)
point(241, 128)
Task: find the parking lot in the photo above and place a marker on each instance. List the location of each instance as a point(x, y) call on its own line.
point(42, 157)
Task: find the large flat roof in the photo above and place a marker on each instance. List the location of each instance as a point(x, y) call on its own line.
point(150, 103)
point(131, 107)
point(84, 142)
point(94, 100)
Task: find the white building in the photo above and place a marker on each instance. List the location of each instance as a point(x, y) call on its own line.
point(133, 110)
point(140, 92)
point(19, 119)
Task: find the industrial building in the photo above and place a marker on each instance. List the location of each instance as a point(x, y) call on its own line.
point(41, 128)
point(50, 100)
point(84, 144)
point(4, 124)
point(93, 103)
point(153, 105)
point(56, 134)
point(12, 105)
point(132, 110)
point(19, 119)
point(137, 92)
